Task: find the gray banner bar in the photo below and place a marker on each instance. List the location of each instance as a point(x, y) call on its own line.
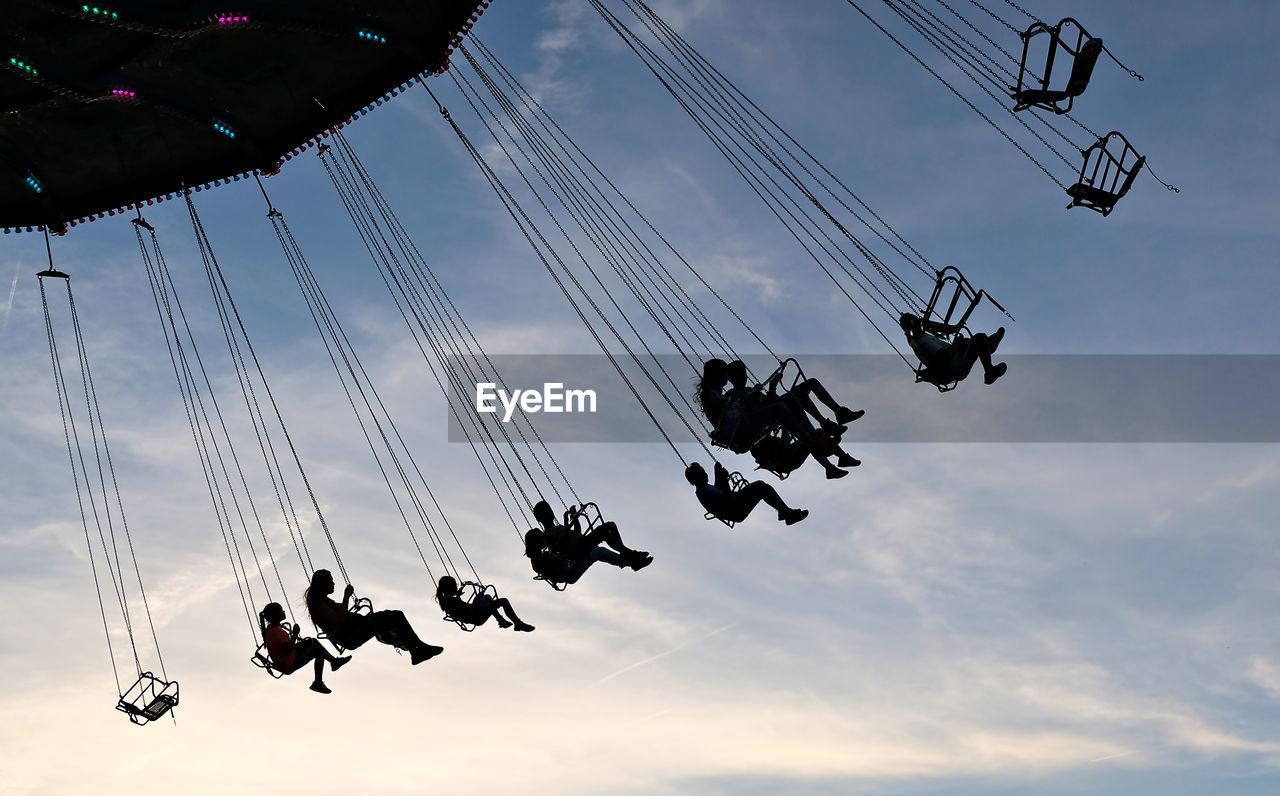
point(1042, 398)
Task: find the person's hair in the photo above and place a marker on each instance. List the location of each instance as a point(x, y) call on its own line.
point(269, 615)
point(906, 320)
point(307, 596)
point(533, 541)
point(736, 373)
point(695, 475)
point(714, 377)
point(447, 587)
point(543, 513)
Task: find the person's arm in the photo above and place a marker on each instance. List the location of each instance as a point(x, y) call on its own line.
point(571, 520)
point(722, 477)
point(776, 377)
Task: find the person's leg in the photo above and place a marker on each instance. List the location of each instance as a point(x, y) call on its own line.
point(777, 414)
point(605, 556)
point(798, 401)
point(756, 492)
point(309, 649)
point(505, 605)
point(843, 414)
point(480, 609)
point(574, 570)
point(394, 629)
point(606, 533)
point(983, 347)
point(355, 631)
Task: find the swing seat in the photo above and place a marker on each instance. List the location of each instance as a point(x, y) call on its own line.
point(1033, 92)
point(1104, 177)
point(148, 699)
point(591, 513)
point(710, 516)
point(362, 606)
point(262, 659)
point(555, 584)
point(736, 483)
point(476, 590)
point(780, 440)
point(940, 318)
point(922, 376)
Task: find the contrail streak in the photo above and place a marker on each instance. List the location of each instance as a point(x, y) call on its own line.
point(653, 658)
point(8, 307)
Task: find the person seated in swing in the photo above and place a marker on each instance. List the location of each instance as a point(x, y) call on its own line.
point(738, 425)
point(730, 505)
point(290, 653)
point(349, 630)
point(559, 568)
point(782, 455)
point(567, 538)
point(942, 363)
point(798, 401)
point(479, 608)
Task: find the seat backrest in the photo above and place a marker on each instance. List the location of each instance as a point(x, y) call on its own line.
point(1082, 69)
point(158, 707)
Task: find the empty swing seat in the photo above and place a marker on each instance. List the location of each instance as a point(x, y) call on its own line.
point(1033, 92)
point(148, 699)
point(1104, 177)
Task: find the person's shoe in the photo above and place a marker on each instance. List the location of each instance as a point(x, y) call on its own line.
point(641, 561)
point(833, 428)
point(502, 623)
point(846, 415)
point(320, 688)
point(338, 663)
point(794, 516)
point(834, 472)
point(425, 653)
point(996, 338)
point(996, 372)
point(524, 627)
point(846, 460)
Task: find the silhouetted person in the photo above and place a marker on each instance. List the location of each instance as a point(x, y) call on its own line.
point(290, 653)
point(349, 629)
point(568, 539)
point(780, 455)
point(797, 401)
point(730, 505)
point(560, 568)
point(479, 608)
point(738, 426)
point(942, 363)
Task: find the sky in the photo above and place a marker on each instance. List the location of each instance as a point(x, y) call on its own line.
point(952, 618)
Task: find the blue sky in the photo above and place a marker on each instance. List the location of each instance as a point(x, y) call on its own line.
point(951, 619)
